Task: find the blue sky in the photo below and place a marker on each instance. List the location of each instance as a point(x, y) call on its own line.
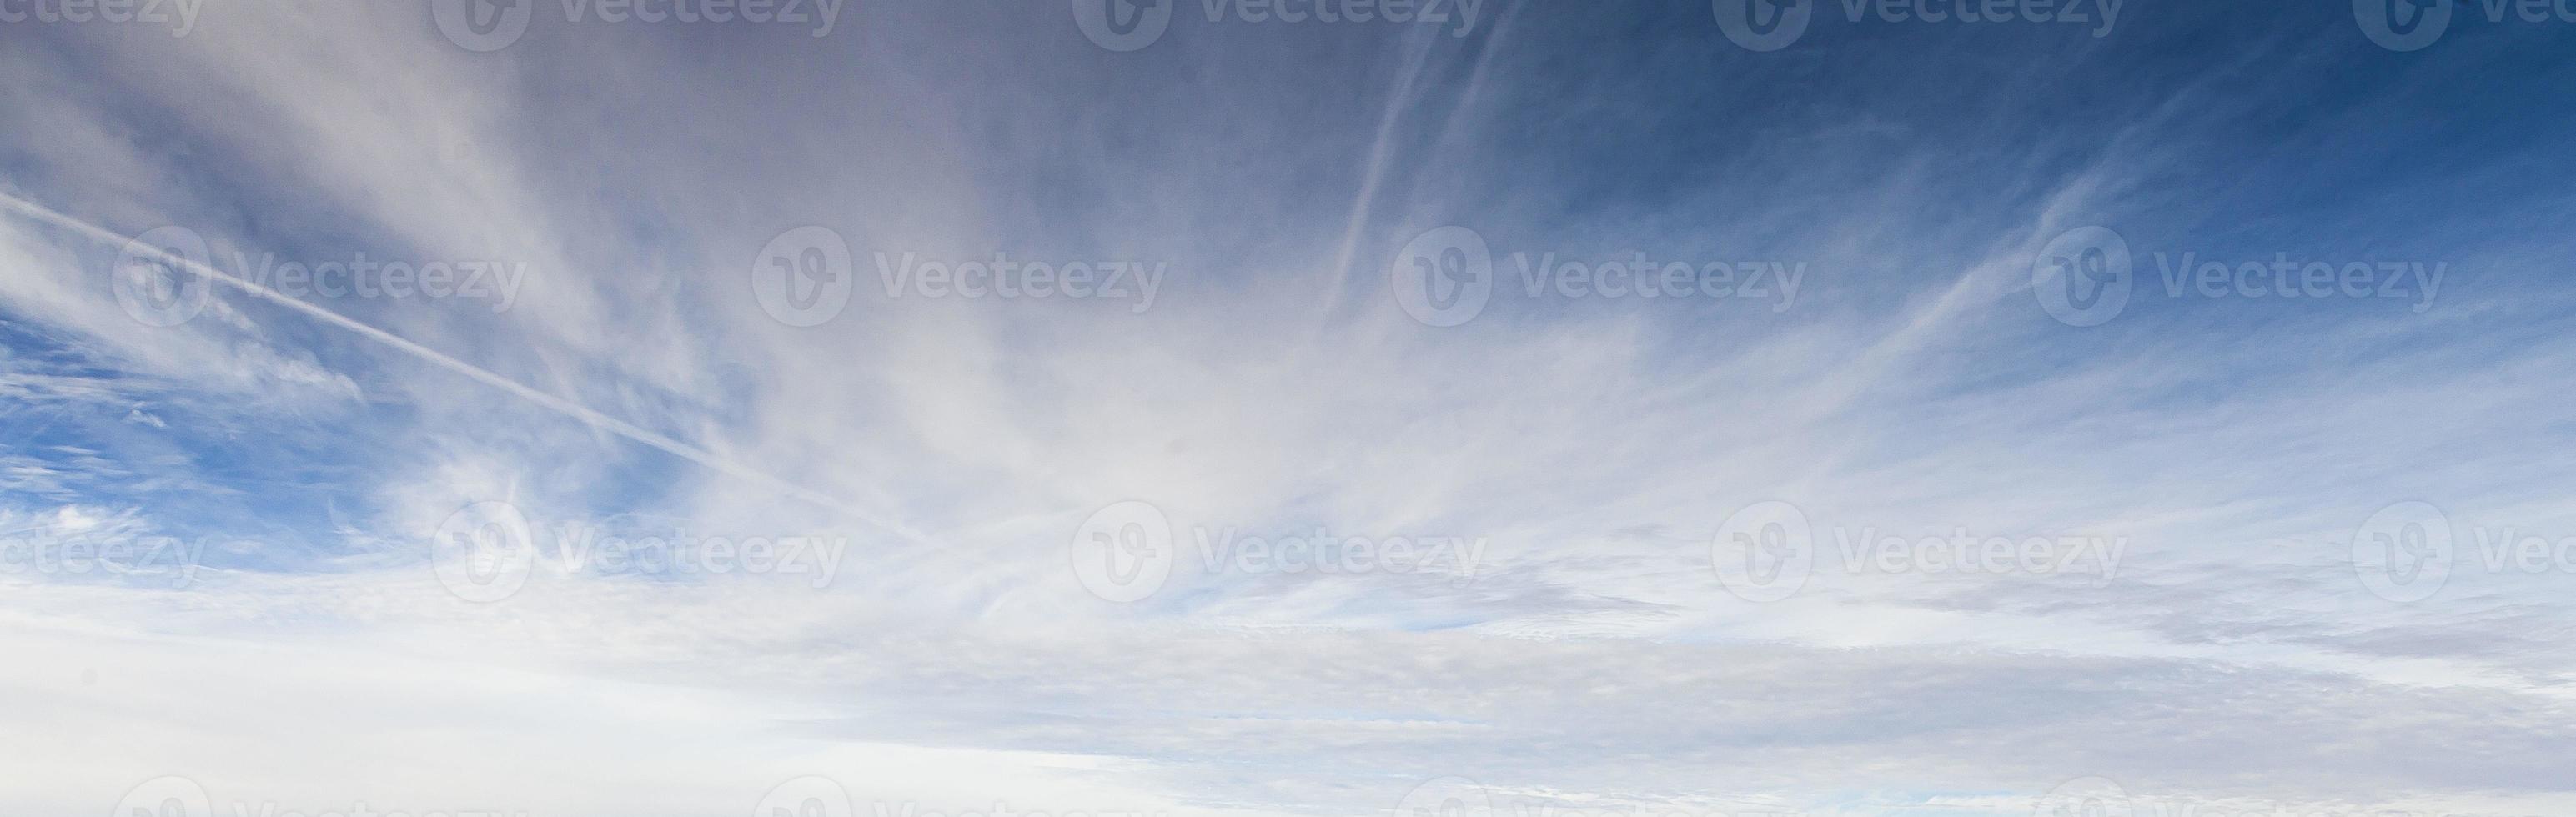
point(2027, 414)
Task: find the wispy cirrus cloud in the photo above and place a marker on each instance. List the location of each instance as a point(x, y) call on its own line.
point(1861, 334)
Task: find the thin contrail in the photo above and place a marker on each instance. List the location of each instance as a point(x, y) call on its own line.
point(550, 402)
point(1381, 151)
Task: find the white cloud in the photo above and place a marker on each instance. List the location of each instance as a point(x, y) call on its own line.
point(1275, 387)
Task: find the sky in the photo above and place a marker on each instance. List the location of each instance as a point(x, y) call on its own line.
point(1473, 407)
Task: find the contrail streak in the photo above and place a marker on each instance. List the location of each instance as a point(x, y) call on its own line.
point(549, 402)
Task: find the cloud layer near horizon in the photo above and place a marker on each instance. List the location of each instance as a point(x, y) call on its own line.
point(2224, 657)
